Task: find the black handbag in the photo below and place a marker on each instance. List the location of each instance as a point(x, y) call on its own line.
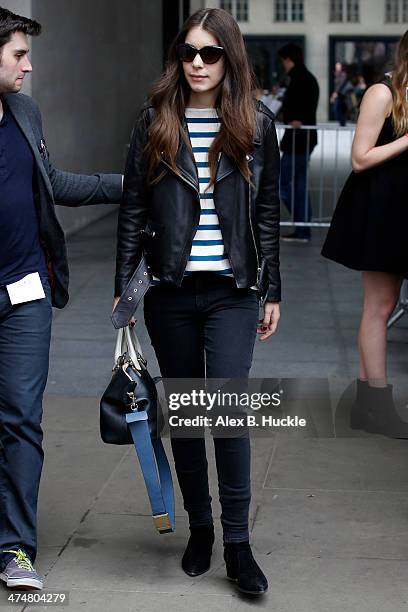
point(131, 386)
point(130, 413)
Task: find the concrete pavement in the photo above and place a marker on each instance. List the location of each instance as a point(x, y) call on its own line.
point(329, 513)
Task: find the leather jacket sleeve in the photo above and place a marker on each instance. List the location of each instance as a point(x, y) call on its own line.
point(268, 212)
point(133, 209)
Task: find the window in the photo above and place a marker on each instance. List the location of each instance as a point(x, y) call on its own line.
point(404, 10)
point(238, 8)
point(364, 56)
point(336, 10)
point(353, 11)
point(345, 10)
point(391, 11)
point(242, 10)
point(289, 10)
point(297, 10)
point(396, 11)
point(281, 10)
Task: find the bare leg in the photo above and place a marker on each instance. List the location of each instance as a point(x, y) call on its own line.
point(362, 368)
point(381, 292)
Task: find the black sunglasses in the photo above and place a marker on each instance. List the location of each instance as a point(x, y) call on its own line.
point(210, 54)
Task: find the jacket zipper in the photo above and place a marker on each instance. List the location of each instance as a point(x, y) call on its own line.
point(190, 184)
point(253, 238)
point(180, 176)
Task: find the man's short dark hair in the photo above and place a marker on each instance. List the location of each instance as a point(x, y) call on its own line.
point(293, 52)
point(10, 23)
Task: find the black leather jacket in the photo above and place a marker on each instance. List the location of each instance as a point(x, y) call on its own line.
point(161, 220)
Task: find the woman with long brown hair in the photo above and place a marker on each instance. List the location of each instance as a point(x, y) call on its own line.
point(369, 233)
point(201, 200)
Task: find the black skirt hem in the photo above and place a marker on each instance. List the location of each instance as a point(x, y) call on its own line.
point(363, 268)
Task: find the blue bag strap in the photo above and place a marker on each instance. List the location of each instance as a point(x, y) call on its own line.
point(158, 479)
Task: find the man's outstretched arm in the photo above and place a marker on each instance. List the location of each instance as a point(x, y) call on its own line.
point(80, 189)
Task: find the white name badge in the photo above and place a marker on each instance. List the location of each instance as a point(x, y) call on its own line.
point(27, 289)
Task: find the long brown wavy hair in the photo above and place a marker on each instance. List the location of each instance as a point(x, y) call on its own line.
point(170, 95)
point(399, 82)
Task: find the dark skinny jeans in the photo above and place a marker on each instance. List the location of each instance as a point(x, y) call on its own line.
point(207, 327)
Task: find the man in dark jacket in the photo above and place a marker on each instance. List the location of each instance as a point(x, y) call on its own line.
point(33, 277)
point(299, 108)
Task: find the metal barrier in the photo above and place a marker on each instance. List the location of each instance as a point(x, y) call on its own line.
point(402, 307)
point(328, 169)
point(329, 166)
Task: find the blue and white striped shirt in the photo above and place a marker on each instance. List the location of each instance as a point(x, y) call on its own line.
point(207, 251)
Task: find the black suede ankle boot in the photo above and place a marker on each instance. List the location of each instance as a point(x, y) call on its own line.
point(243, 569)
point(197, 556)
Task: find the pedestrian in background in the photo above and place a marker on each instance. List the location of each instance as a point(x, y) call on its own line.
point(341, 96)
point(369, 233)
point(299, 106)
point(202, 187)
point(360, 87)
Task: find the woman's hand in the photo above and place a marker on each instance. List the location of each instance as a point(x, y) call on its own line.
point(132, 321)
point(267, 326)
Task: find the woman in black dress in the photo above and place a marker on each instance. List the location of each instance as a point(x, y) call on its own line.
point(369, 232)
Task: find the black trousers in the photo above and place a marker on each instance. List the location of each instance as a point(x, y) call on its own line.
point(207, 328)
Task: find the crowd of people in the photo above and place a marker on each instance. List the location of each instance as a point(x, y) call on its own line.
point(345, 98)
point(347, 95)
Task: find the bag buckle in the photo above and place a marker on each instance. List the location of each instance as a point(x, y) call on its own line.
point(162, 522)
point(133, 403)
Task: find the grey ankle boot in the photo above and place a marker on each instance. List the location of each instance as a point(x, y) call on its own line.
point(360, 406)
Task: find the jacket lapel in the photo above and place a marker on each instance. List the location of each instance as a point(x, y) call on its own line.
point(23, 120)
point(226, 165)
point(185, 161)
point(186, 165)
